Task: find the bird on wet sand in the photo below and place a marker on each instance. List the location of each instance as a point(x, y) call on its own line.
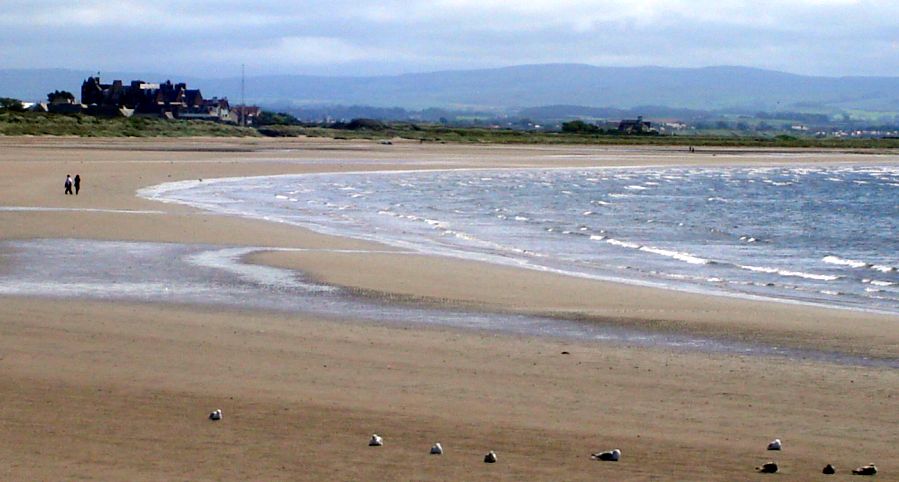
point(829, 469)
point(767, 468)
point(215, 415)
point(609, 456)
point(869, 469)
point(437, 449)
point(375, 440)
point(774, 444)
point(490, 458)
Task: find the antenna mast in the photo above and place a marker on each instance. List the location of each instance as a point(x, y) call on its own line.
point(243, 102)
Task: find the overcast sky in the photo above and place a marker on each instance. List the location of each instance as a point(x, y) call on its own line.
point(356, 37)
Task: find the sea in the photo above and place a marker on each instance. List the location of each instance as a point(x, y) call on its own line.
point(823, 235)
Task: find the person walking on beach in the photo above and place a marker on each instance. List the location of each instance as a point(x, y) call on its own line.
point(68, 184)
point(77, 183)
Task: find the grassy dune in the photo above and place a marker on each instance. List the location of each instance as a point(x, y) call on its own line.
point(38, 124)
point(426, 133)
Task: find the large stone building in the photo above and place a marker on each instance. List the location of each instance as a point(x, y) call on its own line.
point(144, 98)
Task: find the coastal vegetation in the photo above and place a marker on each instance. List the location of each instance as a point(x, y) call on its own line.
point(14, 122)
point(430, 132)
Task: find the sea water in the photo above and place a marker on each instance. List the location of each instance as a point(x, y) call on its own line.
point(813, 234)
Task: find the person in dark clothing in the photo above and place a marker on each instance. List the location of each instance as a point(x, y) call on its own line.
point(77, 183)
point(68, 184)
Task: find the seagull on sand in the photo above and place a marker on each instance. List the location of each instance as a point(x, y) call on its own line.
point(437, 449)
point(768, 468)
point(829, 469)
point(490, 458)
point(774, 444)
point(216, 415)
point(375, 440)
point(869, 469)
point(610, 456)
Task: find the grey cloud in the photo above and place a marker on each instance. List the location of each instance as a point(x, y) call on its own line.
point(823, 37)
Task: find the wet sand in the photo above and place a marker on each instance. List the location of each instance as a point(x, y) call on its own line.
point(116, 390)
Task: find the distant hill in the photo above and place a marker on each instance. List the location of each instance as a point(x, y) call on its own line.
point(520, 87)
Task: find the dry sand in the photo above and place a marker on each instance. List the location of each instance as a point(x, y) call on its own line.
point(120, 391)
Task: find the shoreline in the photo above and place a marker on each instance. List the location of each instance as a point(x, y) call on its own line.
point(121, 390)
point(158, 193)
point(669, 315)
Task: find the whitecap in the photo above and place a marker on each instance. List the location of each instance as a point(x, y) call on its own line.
point(844, 262)
point(797, 274)
point(880, 283)
point(623, 244)
point(685, 257)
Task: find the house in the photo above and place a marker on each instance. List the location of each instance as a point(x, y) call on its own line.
point(635, 126)
point(151, 99)
point(213, 109)
point(247, 114)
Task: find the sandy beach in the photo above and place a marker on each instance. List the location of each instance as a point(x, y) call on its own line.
point(116, 390)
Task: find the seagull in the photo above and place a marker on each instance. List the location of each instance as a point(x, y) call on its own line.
point(610, 456)
point(768, 468)
point(216, 415)
point(829, 469)
point(869, 469)
point(437, 449)
point(375, 441)
point(490, 458)
point(774, 444)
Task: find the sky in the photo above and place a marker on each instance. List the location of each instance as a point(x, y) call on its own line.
point(357, 37)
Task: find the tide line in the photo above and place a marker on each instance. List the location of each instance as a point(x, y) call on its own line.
point(86, 210)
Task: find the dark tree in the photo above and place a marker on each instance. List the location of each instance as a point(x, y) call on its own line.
point(579, 127)
point(60, 96)
point(12, 105)
point(276, 119)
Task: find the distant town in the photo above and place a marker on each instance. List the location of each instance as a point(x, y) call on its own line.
point(176, 101)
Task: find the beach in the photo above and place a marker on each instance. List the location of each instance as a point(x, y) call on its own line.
point(121, 389)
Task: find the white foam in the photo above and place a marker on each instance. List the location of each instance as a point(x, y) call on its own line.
point(844, 262)
point(796, 274)
point(879, 282)
point(623, 244)
point(858, 264)
point(685, 257)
